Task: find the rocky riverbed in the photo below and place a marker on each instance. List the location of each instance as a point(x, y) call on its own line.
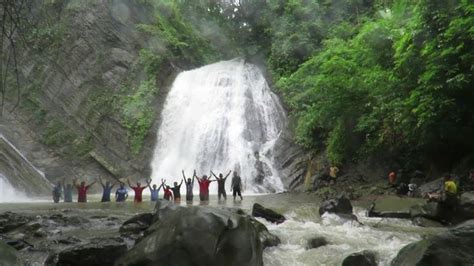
point(44, 233)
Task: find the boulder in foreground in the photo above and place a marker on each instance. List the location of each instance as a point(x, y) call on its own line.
point(8, 255)
point(197, 236)
point(450, 248)
point(363, 258)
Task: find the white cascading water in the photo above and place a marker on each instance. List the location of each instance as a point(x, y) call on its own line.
point(8, 193)
point(218, 117)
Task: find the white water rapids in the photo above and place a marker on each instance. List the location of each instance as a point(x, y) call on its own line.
point(220, 117)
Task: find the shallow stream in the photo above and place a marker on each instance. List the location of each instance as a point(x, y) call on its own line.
point(385, 236)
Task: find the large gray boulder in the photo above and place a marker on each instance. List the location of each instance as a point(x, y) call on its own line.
point(340, 205)
point(450, 248)
point(8, 255)
point(197, 236)
point(99, 251)
point(432, 186)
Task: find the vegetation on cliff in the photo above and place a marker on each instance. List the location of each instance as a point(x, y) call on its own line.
point(386, 79)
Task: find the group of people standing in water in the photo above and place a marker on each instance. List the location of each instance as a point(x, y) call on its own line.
point(169, 193)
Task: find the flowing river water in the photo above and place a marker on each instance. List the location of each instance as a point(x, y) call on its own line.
point(384, 236)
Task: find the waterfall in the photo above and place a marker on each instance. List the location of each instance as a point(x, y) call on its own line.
point(8, 193)
point(220, 117)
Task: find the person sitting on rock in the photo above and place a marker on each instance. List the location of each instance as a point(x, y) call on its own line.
point(189, 186)
point(236, 186)
point(138, 190)
point(177, 191)
point(221, 184)
point(333, 170)
point(106, 189)
point(67, 188)
point(121, 194)
point(168, 195)
point(57, 192)
point(154, 191)
point(82, 190)
point(204, 183)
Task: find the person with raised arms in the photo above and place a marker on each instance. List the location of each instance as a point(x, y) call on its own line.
point(138, 189)
point(67, 188)
point(168, 195)
point(177, 191)
point(106, 189)
point(154, 191)
point(189, 186)
point(82, 190)
point(221, 184)
point(121, 194)
point(204, 183)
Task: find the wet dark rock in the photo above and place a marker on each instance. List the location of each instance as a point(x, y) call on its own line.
point(8, 255)
point(340, 205)
point(450, 248)
point(433, 186)
point(76, 220)
point(10, 221)
point(137, 223)
point(466, 207)
point(99, 251)
point(363, 258)
point(316, 242)
point(68, 240)
point(40, 233)
point(197, 236)
point(387, 214)
point(425, 222)
point(268, 239)
point(268, 214)
point(438, 212)
point(17, 244)
point(428, 210)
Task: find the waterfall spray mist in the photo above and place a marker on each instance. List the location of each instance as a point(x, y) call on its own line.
point(220, 117)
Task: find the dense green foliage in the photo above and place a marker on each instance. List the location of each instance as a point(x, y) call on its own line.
point(401, 86)
point(361, 78)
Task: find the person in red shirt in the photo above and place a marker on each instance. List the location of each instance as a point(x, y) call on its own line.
point(204, 183)
point(138, 190)
point(392, 178)
point(168, 194)
point(82, 190)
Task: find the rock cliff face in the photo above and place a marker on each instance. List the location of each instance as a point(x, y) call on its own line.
point(20, 172)
point(65, 123)
point(79, 88)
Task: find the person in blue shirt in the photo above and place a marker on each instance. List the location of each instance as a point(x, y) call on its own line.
point(121, 194)
point(154, 191)
point(57, 192)
point(107, 188)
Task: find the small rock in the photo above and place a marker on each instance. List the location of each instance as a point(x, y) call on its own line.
point(268, 214)
point(137, 223)
point(10, 221)
point(69, 240)
point(425, 222)
point(316, 242)
point(101, 251)
point(363, 258)
point(40, 233)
